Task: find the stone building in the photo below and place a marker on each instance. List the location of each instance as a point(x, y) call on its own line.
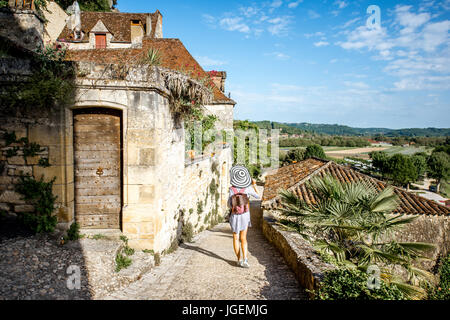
point(118, 151)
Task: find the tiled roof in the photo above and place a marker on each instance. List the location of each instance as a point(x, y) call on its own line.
point(118, 23)
point(174, 55)
point(293, 178)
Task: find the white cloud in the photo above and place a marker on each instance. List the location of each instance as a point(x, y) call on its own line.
point(315, 34)
point(358, 85)
point(278, 55)
point(294, 4)
point(276, 3)
point(279, 25)
point(417, 49)
point(254, 19)
point(313, 15)
point(341, 4)
point(209, 62)
point(321, 44)
point(234, 24)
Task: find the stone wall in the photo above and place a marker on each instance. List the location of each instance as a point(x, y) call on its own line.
point(428, 229)
point(298, 253)
point(224, 113)
point(159, 187)
point(46, 129)
point(23, 27)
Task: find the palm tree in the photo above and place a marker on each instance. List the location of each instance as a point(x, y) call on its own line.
point(350, 222)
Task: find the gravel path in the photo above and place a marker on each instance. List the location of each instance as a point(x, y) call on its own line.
point(206, 269)
point(35, 268)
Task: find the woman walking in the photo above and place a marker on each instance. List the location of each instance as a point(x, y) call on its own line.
point(238, 201)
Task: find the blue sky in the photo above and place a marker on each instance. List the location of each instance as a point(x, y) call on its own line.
point(317, 61)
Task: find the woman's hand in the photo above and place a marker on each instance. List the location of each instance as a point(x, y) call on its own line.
point(253, 182)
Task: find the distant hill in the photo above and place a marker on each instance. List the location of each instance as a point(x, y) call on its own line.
point(335, 129)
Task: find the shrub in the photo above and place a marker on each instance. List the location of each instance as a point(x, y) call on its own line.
point(442, 290)
point(314, 150)
point(187, 232)
point(351, 284)
point(122, 262)
point(39, 194)
point(157, 258)
point(73, 233)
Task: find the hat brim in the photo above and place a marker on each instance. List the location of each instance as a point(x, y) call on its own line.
point(240, 177)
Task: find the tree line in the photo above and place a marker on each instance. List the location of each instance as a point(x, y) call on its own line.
point(403, 169)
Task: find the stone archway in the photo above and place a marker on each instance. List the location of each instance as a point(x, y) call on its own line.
point(97, 141)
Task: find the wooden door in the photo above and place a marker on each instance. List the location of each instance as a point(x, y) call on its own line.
point(97, 162)
point(100, 41)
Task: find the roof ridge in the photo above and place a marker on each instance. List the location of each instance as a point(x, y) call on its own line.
point(386, 184)
point(325, 165)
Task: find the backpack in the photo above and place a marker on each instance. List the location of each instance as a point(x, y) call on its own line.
point(239, 201)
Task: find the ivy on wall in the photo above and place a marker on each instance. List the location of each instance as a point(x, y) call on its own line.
point(51, 84)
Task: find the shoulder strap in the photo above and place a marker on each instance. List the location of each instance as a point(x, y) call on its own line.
point(234, 190)
point(242, 190)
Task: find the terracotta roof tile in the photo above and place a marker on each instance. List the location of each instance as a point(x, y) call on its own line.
point(118, 23)
point(174, 55)
point(293, 177)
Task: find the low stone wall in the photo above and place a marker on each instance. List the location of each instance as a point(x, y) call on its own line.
point(428, 229)
point(300, 256)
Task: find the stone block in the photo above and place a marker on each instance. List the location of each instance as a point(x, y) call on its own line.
point(4, 207)
point(16, 160)
point(146, 194)
point(23, 208)
point(49, 173)
point(131, 228)
point(59, 190)
point(147, 157)
point(146, 228)
point(56, 155)
point(6, 180)
point(136, 213)
point(24, 170)
point(141, 244)
point(63, 214)
point(141, 175)
point(45, 135)
point(11, 197)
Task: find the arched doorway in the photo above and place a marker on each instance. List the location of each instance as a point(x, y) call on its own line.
point(97, 138)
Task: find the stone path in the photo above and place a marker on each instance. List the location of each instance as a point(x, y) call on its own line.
point(206, 269)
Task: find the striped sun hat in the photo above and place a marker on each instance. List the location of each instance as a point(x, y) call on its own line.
point(240, 177)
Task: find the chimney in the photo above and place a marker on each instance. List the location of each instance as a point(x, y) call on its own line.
point(158, 29)
point(218, 77)
point(148, 31)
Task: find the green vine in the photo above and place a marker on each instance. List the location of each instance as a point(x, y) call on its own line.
point(28, 149)
point(39, 194)
point(51, 84)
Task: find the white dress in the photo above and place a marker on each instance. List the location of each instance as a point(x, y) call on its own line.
point(240, 222)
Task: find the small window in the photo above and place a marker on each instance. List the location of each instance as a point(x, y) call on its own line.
point(135, 22)
point(100, 41)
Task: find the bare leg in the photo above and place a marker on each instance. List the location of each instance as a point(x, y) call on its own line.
point(236, 245)
point(243, 238)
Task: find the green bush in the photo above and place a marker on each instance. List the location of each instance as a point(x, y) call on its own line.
point(157, 258)
point(351, 284)
point(442, 290)
point(73, 233)
point(122, 262)
point(39, 194)
point(187, 232)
